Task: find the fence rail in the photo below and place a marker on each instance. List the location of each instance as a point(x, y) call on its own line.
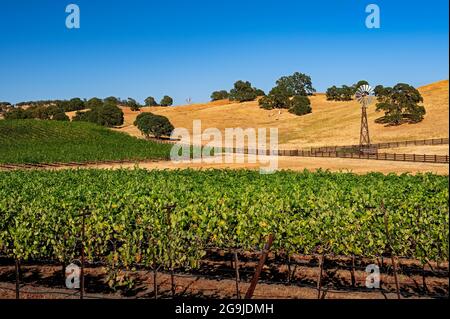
point(341, 148)
point(329, 152)
point(374, 156)
point(353, 151)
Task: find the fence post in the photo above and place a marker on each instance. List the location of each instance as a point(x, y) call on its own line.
point(236, 265)
point(82, 258)
point(261, 262)
point(17, 269)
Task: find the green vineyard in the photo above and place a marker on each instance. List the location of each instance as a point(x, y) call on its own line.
point(166, 219)
point(38, 141)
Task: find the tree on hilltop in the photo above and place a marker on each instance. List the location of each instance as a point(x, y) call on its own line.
point(219, 95)
point(297, 84)
point(166, 101)
point(242, 92)
point(150, 101)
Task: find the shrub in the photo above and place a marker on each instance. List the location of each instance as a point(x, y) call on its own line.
point(40, 112)
point(17, 114)
point(110, 115)
point(259, 92)
point(344, 93)
point(379, 90)
point(278, 98)
point(74, 105)
point(333, 93)
point(300, 105)
point(54, 109)
point(107, 115)
point(219, 95)
point(266, 102)
point(88, 116)
point(133, 104)
point(111, 100)
point(94, 103)
point(156, 125)
point(166, 101)
point(60, 116)
point(141, 116)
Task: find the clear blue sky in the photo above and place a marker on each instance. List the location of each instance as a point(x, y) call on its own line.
point(190, 48)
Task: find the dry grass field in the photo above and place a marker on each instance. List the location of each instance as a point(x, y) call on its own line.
point(330, 123)
point(423, 149)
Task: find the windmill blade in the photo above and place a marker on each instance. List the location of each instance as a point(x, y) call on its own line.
point(364, 94)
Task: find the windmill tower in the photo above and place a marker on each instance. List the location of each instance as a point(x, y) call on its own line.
point(364, 95)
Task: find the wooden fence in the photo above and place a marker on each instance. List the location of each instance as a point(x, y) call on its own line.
point(343, 148)
point(352, 151)
point(375, 156)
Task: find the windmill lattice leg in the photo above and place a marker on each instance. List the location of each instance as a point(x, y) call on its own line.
point(364, 139)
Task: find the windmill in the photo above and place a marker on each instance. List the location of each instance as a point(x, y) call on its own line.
point(364, 95)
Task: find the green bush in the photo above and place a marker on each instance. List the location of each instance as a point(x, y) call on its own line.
point(111, 100)
point(94, 103)
point(150, 101)
point(332, 93)
point(60, 116)
point(344, 93)
point(400, 104)
point(278, 98)
point(166, 101)
point(297, 84)
point(151, 124)
point(107, 115)
point(300, 105)
point(17, 114)
point(133, 104)
point(87, 116)
point(242, 92)
point(266, 102)
point(219, 95)
point(110, 115)
point(142, 116)
point(259, 92)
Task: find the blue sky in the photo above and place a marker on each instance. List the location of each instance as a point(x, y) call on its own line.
point(191, 48)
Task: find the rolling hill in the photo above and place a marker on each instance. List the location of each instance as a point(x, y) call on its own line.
point(330, 123)
point(37, 141)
